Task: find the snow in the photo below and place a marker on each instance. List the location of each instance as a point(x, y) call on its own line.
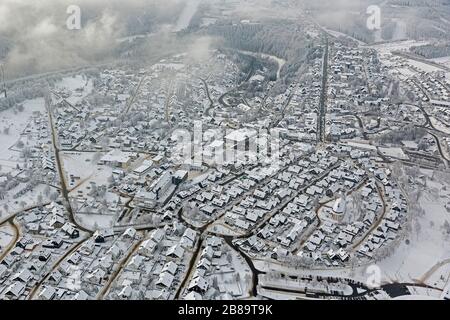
point(278, 295)
point(83, 166)
point(439, 125)
point(17, 122)
point(6, 236)
point(408, 263)
point(281, 62)
point(219, 228)
point(227, 280)
point(423, 66)
point(394, 152)
point(79, 164)
point(428, 246)
point(338, 34)
point(72, 84)
point(361, 145)
point(300, 285)
point(385, 48)
point(9, 206)
point(422, 293)
point(96, 221)
point(443, 60)
point(440, 275)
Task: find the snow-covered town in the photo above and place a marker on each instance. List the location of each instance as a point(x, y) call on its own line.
point(231, 169)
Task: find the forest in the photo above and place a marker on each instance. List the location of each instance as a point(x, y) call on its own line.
point(431, 51)
point(284, 40)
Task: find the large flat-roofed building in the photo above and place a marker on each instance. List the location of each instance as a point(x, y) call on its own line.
point(117, 158)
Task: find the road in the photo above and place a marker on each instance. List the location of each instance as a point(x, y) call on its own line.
point(103, 292)
point(361, 125)
point(13, 242)
point(439, 146)
point(377, 223)
point(62, 179)
point(190, 268)
point(134, 96)
point(255, 272)
point(321, 118)
point(433, 269)
point(279, 61)
point(211, 102)
point(422, 60)
point(54, 267)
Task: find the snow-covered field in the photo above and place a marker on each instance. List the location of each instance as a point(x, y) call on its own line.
point(78, 85)
point(16, 122)
point(424, 66)
point(96, 221)
point(394, 152)
point(384, 48)
point(443, 60)
point(81, 165)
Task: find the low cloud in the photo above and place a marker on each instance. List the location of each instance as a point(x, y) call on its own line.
point(38, 40)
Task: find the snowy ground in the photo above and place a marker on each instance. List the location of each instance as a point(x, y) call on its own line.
point(81, 165)
point(338, 34)
point(444, 61)
point(6, 236)
point(16, 122)
point(9, 205)
point(87, 173)
point(397, 46)
point(394, 152)
point(220, 228)
point(439, 125)
point(78, 86)
point(428, 244)
point(96, 221)
point(235, 277)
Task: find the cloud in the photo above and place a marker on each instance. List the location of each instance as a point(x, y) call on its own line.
point(34, 37)
point(39, 41)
